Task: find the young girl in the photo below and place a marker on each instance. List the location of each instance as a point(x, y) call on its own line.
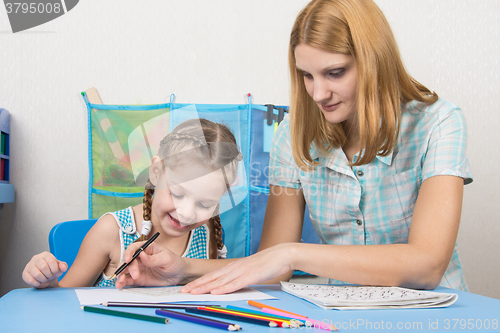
point(195, 165)
point(379, 159)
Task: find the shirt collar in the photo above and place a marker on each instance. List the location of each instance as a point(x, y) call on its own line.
point(338, 158)
point(386, 159)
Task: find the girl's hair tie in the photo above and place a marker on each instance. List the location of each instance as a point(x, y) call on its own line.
point(146, 227)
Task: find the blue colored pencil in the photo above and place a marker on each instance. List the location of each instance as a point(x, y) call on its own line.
point(197, 320)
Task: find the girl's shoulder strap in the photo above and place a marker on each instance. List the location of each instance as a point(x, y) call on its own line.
point(125, 219)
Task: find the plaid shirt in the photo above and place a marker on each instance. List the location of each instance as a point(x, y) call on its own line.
point(373, 203)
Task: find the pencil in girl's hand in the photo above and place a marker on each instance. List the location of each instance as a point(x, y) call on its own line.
point(130, 315)
point(136, 254)
point(198, 320)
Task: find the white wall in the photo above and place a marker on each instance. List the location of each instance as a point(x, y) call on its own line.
point(215, 52)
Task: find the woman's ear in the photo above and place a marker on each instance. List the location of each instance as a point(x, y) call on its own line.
point(155, 170)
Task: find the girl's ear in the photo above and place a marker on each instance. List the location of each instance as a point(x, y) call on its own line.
point(155, 170)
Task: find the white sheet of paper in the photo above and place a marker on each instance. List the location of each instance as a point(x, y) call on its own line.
point(90, 296)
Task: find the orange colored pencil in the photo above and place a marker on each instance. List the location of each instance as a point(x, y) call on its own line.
point(261, 306)
point(281, 323)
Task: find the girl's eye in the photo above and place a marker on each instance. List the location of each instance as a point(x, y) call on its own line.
point(175, 195)
point(204, 206)
point(336, 73)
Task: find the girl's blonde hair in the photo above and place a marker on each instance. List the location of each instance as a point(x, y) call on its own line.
point(360, 29)
point(189, 135)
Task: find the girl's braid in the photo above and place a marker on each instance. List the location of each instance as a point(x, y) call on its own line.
point(183, 137)
point(217, 231)
point(146, 206)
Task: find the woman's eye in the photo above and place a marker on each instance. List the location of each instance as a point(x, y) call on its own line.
point(306, 75)
point(336, 73)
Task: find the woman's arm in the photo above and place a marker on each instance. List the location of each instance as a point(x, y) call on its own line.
point(283, 221)
point(271, 264)
point(158, 266)
point(419, 264)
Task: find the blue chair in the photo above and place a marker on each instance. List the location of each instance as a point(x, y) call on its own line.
point(65, 239)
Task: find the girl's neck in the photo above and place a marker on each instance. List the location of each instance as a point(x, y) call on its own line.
point(177, 245)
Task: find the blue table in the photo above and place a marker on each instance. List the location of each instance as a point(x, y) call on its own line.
point(58, 310)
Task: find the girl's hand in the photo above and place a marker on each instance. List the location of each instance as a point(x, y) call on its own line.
point(43, 270)
point(260, 267)
point(155, 266)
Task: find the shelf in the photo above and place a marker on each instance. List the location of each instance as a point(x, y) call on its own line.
point(6, 192)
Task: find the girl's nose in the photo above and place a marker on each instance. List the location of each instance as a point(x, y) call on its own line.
point(185, 212)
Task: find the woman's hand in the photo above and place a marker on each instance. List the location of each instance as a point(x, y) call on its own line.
point(43, 270)
point(260, 267)
point(155, 266)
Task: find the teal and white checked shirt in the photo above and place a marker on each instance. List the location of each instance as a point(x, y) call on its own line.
point(373, 203)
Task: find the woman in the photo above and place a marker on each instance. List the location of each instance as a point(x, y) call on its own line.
point(379, 159)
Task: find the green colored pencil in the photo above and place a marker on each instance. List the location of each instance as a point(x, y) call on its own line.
point(154, 319)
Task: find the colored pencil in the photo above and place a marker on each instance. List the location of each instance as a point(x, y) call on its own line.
point(217, 314)
point(130, 315)
point(283, 316)
point(308, 322)
point(280, 322)
point(152, 305)
point(260, 305)
point(197, 319)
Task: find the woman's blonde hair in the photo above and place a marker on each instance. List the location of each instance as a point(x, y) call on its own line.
point(360, 29)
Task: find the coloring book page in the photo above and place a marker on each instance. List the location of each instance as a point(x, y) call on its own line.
point(367, 297)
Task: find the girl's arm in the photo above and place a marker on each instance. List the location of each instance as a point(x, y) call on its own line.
point(43, 270)
point(94, 254)
point(419, 264)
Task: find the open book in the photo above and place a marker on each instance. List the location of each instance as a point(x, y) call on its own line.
point(364, 297)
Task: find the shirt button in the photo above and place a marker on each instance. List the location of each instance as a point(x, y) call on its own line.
point(128, 228)
point(360, 173)
point(359, 222)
